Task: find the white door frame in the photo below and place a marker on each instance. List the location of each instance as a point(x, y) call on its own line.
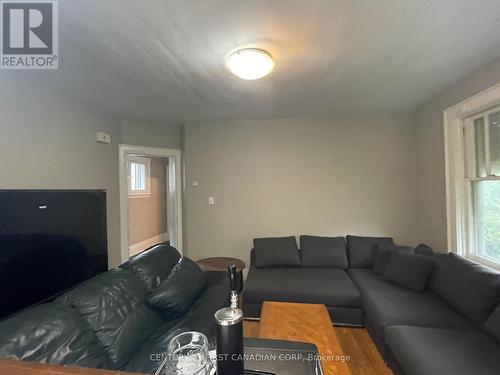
point(125, 150)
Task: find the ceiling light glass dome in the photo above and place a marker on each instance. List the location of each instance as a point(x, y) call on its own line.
point(250, 63)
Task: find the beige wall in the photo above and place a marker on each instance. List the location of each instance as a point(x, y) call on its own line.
point(429, 139)
point(47, 141)
point(335, 176)
point(142, 133)
point(148, 214)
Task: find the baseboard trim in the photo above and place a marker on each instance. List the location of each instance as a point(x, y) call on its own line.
point(143, 245)
point(348, 325)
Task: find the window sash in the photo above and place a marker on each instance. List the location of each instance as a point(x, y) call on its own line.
point(467, 229)
point(138, 177)
point(468, 138)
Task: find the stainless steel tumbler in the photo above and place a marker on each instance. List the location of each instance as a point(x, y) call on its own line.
point(229, 336)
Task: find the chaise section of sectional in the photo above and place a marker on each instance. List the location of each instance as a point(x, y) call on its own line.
point(320, 277)
point(329, 286)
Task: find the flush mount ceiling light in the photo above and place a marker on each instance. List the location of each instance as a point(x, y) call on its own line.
point(250, 63)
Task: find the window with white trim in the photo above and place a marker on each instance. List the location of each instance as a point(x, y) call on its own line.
point(482, 179)
point(138, 176)
point(473, 181)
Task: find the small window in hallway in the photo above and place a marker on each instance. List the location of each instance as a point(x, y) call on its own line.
point(138, 176)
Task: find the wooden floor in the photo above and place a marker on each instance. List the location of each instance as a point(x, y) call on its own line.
point(355, 342)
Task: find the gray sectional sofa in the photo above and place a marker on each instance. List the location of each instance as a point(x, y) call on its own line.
point(427, 312)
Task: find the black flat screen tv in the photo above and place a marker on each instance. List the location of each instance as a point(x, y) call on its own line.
point(50, 240)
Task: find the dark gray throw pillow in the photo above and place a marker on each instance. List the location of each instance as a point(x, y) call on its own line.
point(276, 252)
point(470, 288)
point(360, 249)
point(381, 260)
point(382, 256)
point(409, 271)
point(323, 252)
point(423, 249)
point(177, 293)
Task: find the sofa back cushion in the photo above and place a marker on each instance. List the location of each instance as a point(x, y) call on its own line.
point(409, 271)
point(382, 255)
point(51, 333)
point(114, 307)
point(469, 287)
point(177, 293)
point(492, 324)
point(323, 252)
point(153, 266)
point(276, 252)
point(360, 250)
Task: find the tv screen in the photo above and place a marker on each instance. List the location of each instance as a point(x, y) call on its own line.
point(50, 240)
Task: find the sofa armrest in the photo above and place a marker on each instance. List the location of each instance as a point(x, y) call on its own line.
point(252, 258)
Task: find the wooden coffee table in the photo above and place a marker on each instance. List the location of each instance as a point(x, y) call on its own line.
point(305, 323)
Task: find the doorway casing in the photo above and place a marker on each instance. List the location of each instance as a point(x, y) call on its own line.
point(174, 197)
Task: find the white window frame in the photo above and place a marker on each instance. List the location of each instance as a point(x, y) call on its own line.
point(458, 194)
point(147, 163)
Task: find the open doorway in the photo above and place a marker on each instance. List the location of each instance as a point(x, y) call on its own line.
point(150, 201)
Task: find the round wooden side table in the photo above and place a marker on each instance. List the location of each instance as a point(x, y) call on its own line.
point(221, 264)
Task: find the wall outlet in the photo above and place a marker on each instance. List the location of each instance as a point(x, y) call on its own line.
point(211, 201)
point(195, 183)
point(102, 137)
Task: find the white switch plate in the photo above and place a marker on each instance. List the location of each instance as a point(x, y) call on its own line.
point(211, 201)
point(102, 137)
point(195, 183)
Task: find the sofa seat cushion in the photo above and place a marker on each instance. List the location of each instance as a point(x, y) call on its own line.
point(114, 307)
point(52, 333)
point(153, 265)
point(330, 286)
point(386, 304)
point(426, 351)
point(323, 252)
point(199, 318)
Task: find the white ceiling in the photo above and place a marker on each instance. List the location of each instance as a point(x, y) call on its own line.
point(164, 59)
